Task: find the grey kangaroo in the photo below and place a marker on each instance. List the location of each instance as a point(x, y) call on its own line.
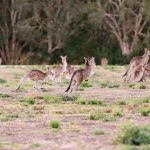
point(35, 76)
point(60, 69)
point(137, 64)
point(82, 74)
point(146, 73)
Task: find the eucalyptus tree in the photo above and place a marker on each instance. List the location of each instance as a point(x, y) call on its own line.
point(127, 20)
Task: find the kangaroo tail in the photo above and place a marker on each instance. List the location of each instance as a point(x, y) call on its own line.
point(22, 80)
point(126, 71)
point(125, 74)
point(70, 82)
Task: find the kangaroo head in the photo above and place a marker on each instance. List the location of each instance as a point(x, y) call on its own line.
point(90, 61)
point(93, 62)
point(63, 59)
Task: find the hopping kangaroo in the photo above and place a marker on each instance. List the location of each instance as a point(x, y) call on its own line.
point(82, 74)
point(137, 65)
point(35, 76)
point(60, 69)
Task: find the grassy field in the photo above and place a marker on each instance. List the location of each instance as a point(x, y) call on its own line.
point(102, 114)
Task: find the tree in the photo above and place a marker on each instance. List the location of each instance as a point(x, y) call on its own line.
point(55, 20)
point(127, 20)
point(11, 51)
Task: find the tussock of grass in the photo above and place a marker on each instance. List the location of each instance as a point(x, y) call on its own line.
point(104, 84)
point(98, 132)
point(134, 86)
point(2, 81)
point(132, 134)
point(80, 89)
point(146, 100)
point(35, 145)
point(131, 85)
point(86, 84)
point(69, 98)
point(145, 112)
point(89, 102)
point(52, 99)
point(121, 102)
point(55, 124)
point(118, 114)
point(28, 100)
point(133, 101)
point(142, 86)
point(5, 95)
point(102, 116)
point(9, 117)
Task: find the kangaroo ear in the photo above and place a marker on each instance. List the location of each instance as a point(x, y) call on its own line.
point(93, 58)
point(85, 59)
point(61, 56)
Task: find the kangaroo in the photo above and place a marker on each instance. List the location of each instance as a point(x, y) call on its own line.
point(60, 69)
point(70, 71)
point(146, 73)
point(81, 75)
point(136, 64)
point(35, 76)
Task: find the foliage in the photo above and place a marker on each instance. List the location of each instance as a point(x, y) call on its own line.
point(40, 31)
point(54, 124)
point(132, 134)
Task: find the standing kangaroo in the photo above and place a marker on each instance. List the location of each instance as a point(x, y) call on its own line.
point(69, 72)
point(137, 64)
point(146, 73)
point(60, 69)
point(35, 76)
point(82, 74)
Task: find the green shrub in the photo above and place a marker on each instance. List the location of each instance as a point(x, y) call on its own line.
point(69, 98)
point(89, 102)
point(52, 99)
point(131, 85)
point(9, 117)
point(142, 86)
point(94, 102)
point(104, 84)
point(86, 84)
point(108, 84)
point(102, 116)
point(55, 124)
point(2, 81)
point(132, 134)
point(118, 114)
point(35, 145)
point(121, 102)
point(145, 112)
point(146, 100)
point(5, 95)
point(30, 101)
